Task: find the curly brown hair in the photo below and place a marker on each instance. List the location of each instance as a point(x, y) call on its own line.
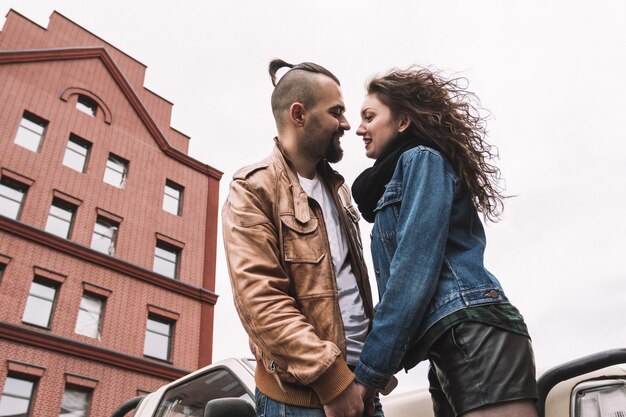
point(444, 113)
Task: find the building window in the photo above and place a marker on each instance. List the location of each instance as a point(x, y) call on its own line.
point(75, 402)
point(90, 316)
point(166, 259)
point(60, 218)
point(173, 198)
point(86, 105)
point(40, 303)
point(17, 397)
point(11, 197)
point(30, 132)
point(76, 153)
point(116, 171)
point(104, 235)
point(158, 338)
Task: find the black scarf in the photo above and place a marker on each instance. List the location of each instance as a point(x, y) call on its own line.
point(370, 185)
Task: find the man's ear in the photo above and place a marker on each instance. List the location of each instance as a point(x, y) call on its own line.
point(405, 122)
point(296, 114)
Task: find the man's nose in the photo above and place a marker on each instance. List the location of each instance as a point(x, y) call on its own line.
point(343, 123)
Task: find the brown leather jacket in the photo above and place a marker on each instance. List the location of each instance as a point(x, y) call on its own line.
point(283, 280)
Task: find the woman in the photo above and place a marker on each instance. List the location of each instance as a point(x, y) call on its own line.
point(431, 178)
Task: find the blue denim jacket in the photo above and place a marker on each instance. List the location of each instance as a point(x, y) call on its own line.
point(427, 247)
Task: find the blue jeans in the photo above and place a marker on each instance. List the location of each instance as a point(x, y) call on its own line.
point(266, 407)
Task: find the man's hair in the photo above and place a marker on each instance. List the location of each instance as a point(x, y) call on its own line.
point(297, 85)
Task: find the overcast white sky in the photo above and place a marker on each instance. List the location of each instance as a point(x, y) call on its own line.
point(550, 72)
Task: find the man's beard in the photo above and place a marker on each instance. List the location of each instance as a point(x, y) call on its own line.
point(311, 145)
point(333, 153)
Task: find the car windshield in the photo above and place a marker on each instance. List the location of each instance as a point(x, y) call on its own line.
point(189, 398)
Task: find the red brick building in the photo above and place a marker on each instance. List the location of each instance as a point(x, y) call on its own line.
point(107, 228)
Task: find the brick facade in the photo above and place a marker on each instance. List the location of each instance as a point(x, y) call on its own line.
point(43, 71)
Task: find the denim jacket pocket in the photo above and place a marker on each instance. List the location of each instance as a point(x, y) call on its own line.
point(387, 211)
point(392, 195)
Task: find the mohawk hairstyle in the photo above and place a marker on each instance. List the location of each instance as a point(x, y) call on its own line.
point(277, 64)
point(298, 84)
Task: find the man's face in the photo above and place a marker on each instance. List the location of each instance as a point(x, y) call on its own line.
point(325, 123)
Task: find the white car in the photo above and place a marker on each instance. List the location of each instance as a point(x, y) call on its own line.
point(588, 387)
point(188, 396)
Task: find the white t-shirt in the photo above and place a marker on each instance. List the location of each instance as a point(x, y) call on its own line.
point(355, 322)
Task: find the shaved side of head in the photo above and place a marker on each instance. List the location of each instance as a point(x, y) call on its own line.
point(299, 84)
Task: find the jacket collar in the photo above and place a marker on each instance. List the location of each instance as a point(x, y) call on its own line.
point(300, 197)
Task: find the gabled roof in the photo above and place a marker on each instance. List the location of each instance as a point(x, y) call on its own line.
point(60, 54)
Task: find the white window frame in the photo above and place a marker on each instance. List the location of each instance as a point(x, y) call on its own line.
point(169, 194)
point(68, 208)
point(113, 227)
point(87, 105)
point(31, 132)
point(112, 169)
point(83, 310)
point(33, 389)
point(169, 336)
point(28, 308)
point(76, 153)
point(8, 183)
point(160, 259)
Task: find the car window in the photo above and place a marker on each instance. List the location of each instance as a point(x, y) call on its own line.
point(189, 398)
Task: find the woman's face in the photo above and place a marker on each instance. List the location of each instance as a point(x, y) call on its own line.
point(378, 126)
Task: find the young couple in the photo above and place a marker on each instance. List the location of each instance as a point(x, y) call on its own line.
point(295, 258)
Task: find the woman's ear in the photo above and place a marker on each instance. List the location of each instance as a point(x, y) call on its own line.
point(405, 122)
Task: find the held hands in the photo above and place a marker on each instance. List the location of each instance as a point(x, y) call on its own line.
point(348, 404)
point(367, 395)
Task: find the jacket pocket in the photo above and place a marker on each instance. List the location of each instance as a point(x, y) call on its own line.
point(387, 211)
point(302, 241)
point(321, 312)
point(304, 249)
point(392, 195)
point(266, 361)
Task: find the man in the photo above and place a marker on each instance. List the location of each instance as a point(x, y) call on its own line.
point(294, 255)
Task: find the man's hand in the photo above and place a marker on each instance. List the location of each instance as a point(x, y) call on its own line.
point(348, 404)
point(367, 394)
